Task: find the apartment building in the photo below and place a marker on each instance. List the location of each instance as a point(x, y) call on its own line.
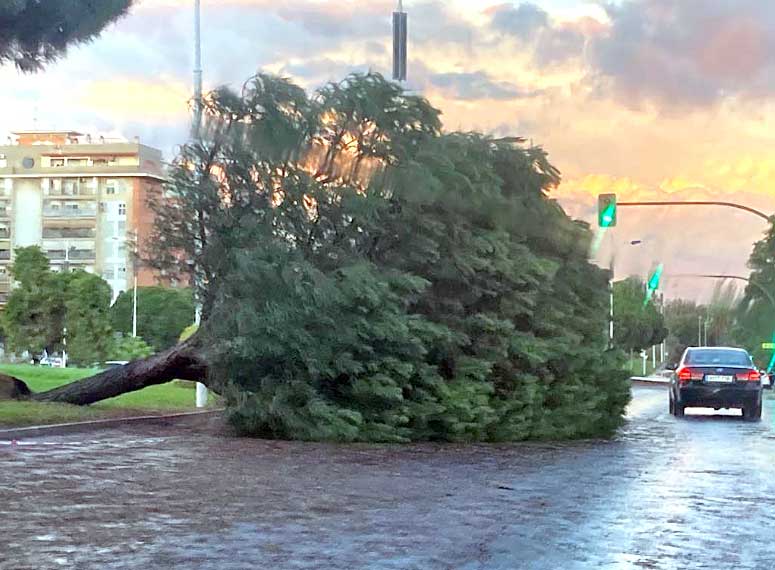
point(83, 201)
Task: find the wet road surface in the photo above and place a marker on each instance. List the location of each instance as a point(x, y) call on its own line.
point(666, 493)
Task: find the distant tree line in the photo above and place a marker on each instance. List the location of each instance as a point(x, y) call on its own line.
point(44, 303)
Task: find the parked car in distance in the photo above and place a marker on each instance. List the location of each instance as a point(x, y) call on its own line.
point(766, 380)
point(716, 377)
point(52, 362)
point(115, 364)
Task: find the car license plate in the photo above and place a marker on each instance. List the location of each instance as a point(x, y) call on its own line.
point(717, 378)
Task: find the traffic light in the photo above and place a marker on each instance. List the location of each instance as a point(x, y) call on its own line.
point(653, 283)
point(606, 210)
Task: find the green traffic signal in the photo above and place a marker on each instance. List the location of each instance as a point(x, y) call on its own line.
point(606, 210)
point(653, 283)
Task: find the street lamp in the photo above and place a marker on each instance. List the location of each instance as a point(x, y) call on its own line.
point(201, 389)
point(634, 242)
point(134, 288)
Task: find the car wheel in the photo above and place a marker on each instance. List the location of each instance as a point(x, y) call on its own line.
point(678, 409)
point(753, 413)
point(671, 406)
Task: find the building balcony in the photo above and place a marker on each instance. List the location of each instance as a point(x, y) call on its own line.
point(85, 212)
point(68, 233)
point(81, 195)
point(72, 255)
point(5, 254)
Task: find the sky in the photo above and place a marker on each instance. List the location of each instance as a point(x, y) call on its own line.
point(650, 99)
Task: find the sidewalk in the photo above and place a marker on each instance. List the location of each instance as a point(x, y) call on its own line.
point(650, 380)
point(63, 429)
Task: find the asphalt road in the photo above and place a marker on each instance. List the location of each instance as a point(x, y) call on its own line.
point(666, 493)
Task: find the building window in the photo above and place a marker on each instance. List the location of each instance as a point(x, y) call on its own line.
point(3, 161)
point(57, 162)
point(122, 209)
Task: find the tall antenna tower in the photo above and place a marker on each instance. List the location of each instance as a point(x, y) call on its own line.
point(197, 123)
point(400, 38)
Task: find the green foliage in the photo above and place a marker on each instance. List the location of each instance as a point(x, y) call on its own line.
point(162, 314)
point(30, 266)
point(34, 33)
point(366, 277)
point(45, 303)
point(33, 317)
point(129, 348)
point(86, 304)
point(636, 326)
point(682, 318)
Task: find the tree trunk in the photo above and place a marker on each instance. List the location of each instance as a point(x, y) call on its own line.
point(181, 362)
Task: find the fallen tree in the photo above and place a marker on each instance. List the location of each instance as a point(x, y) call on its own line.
point(365, 276)
point(182, 362)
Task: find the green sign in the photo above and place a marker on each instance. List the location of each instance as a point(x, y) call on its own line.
point(768, 345)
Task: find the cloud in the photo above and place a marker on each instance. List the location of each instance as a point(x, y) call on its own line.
point(523, 22)
point(559, 44)
point(550, 42)
point(476, 86)
point(158, 101)
point(688, 53)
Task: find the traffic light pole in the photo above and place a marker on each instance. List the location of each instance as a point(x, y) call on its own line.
point(699, 203)
point(759, 286)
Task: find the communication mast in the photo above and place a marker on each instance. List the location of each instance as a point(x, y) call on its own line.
point(400, 38)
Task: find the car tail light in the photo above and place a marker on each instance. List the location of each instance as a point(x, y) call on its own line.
point(750, 376)
point(687, 374)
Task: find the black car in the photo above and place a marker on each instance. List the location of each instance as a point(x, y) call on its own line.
point(715, 377)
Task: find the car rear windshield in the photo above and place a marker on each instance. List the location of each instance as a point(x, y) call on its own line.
point(720, 356)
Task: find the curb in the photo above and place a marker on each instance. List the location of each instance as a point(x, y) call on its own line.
point(649, 381)
point(63, 429)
